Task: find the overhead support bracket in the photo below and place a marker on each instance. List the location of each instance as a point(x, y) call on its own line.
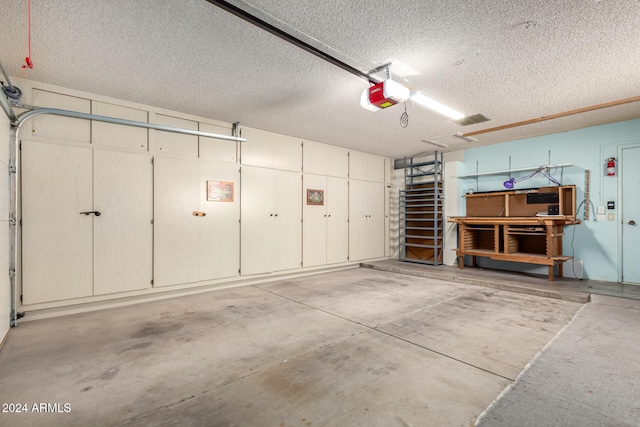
point(291, 39)
point(380, 68)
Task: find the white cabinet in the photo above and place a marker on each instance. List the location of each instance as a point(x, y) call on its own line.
point(57, 246)
point(217, 149)
point(323, 159)
point(120, 136)
point(196, 239)
point(271, 226)
point(326, 227)
point(366, 167)
point(387, 219)
point(176, 144)
point(54, 127)
point(123, 190)
point(86, 222)
point(366, 220)
point(270, 150)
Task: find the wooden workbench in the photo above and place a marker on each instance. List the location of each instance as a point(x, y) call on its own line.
point(530, 239)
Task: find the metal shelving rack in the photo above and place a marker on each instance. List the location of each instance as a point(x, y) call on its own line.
point(421, 212)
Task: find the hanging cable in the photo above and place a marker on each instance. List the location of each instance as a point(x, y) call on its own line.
point(404, 118)
point(27, 60)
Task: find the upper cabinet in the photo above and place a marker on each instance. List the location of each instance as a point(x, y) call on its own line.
point(323, 159)
point(366, 167)
point(176, 144)
point(121, 136)
point(270, 150)
point(217, 149)
point(54, 127)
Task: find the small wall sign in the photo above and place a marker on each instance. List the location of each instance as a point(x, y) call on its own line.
point(315, 197)
point(219, 191)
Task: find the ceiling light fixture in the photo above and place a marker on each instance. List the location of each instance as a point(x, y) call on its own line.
point(389, 92)
point(436, 143)
point(436, 106)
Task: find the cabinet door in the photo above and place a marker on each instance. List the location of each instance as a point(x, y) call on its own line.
point(257, 150)
point(176, 185)
point(366, 220)
point(57, 245)
point(314, 235)
point(219, 230)
point(287, 238)
point(114, 135)
point(123, 194)
point(366, 166)
point(337, 201)
point(257, 220)
point(387, 214)
point(358, 220)
point(271, 150)
point(216, 149)
point(323, 159)
point(376, 220)
point(176, 144)
point(61, 128)
point(193, 248)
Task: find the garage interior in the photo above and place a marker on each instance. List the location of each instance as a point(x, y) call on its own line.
point(274, 213)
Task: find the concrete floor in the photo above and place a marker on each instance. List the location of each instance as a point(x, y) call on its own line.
point(357, 347)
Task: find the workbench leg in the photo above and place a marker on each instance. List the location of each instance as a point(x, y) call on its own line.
point(461, 261)
point(560, 270)
point(474, 261)
point(551, 273)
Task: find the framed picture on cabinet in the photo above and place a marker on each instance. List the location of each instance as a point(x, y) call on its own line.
point(315, 197)
point(220, 191)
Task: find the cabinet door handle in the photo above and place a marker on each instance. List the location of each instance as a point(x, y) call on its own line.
point(198, 213)
point(96, 213)
point(632, 222)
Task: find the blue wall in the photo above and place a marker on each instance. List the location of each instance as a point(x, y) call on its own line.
point(595, 242)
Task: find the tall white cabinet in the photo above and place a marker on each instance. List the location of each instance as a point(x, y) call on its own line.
point(196, 239)
point(81, 210)
point(325, 226)
point(271, 226)
point(366, 220)
point(271, 208)
point(366, 206)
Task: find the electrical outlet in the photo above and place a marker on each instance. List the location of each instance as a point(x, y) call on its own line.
point(600, 210)
point(611, 217)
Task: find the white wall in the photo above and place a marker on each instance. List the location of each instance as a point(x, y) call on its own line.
point(5, 291)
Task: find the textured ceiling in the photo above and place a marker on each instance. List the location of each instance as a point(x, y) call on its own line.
point(509, 60)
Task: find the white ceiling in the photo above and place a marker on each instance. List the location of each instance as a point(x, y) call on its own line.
point(509, 60)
